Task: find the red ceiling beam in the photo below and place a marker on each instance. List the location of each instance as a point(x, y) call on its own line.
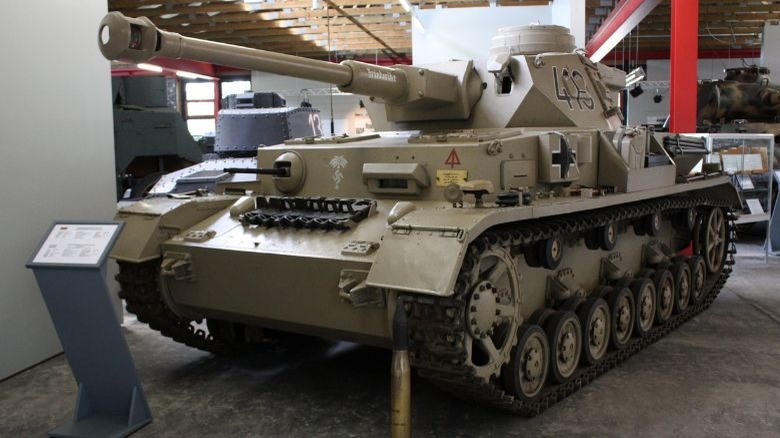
point(684, 66)
point(626, 15)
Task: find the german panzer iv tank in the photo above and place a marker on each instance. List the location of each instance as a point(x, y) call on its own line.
point(529, 259)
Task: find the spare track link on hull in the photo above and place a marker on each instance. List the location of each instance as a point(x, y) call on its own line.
point(437, 327)
point(139, 288)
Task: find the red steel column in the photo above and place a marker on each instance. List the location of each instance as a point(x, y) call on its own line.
point(684, 66)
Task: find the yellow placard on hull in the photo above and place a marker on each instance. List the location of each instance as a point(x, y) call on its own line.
point(445, 177)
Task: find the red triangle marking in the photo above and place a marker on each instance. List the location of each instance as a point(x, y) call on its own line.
point(452, 159)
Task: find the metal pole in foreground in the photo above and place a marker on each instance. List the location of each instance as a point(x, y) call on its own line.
point(401, 386)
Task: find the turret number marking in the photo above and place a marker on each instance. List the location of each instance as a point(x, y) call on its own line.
point(316, 124)
point(570, 87)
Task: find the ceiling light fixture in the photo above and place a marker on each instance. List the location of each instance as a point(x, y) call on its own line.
point(150, 67)
point(190, 75)
point(635, 76)
point(405, 4)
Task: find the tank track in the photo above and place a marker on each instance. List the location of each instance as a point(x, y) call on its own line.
point(140, 290)
point(437, 325)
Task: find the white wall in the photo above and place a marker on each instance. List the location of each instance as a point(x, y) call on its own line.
point(642, 108)
point(56, 137)
point(465, 33)
point(770, 49)
point(571, 14)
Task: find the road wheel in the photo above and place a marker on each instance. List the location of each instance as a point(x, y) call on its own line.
point(682, 284)
point(565, 335)
point(621, 316)
point(645, 300)
point(663, 280)
point(594, 319)
point(698, 278)
point(526, 372)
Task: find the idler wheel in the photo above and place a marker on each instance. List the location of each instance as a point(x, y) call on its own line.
point(525, 374)
point(565, 335)
point(714, 239)
point(621, 315)
point(698, 278)
point(645, 300)
point(682, 284)
point(550, 252)
point(663, 280)
point(594, 317)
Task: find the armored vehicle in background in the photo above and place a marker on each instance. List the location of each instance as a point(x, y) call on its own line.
point(245, 122)
point(745, 101)
point(150, 136)
point(533, 241)
point(745, 94)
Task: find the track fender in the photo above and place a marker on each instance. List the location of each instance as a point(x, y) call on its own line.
point(423, 251)
point(151, 222)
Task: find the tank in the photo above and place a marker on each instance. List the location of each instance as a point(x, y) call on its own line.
point(245, 122)
point(150, 136)
point(745, 93)
point(533, 241)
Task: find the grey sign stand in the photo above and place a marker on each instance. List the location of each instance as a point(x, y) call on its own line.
point(70, 268)
point(773, 228)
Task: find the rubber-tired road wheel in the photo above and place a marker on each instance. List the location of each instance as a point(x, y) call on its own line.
point(645, 300)
point(682, 284)
point(621, 316)
point(698, 278)
point(663, 280)
point(526, 372)
point(565, 336)
point(594, 319)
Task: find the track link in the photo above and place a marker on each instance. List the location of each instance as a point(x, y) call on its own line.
point(139, 288)
point(437, 325)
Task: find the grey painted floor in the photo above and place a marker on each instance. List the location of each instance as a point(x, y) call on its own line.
point(718, 375)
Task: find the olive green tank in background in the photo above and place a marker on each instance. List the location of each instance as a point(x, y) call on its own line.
point(534, 241)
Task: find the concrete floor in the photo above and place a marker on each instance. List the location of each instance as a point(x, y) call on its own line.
point(718, 375)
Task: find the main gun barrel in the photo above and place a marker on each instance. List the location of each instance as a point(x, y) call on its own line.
point(139, 40)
